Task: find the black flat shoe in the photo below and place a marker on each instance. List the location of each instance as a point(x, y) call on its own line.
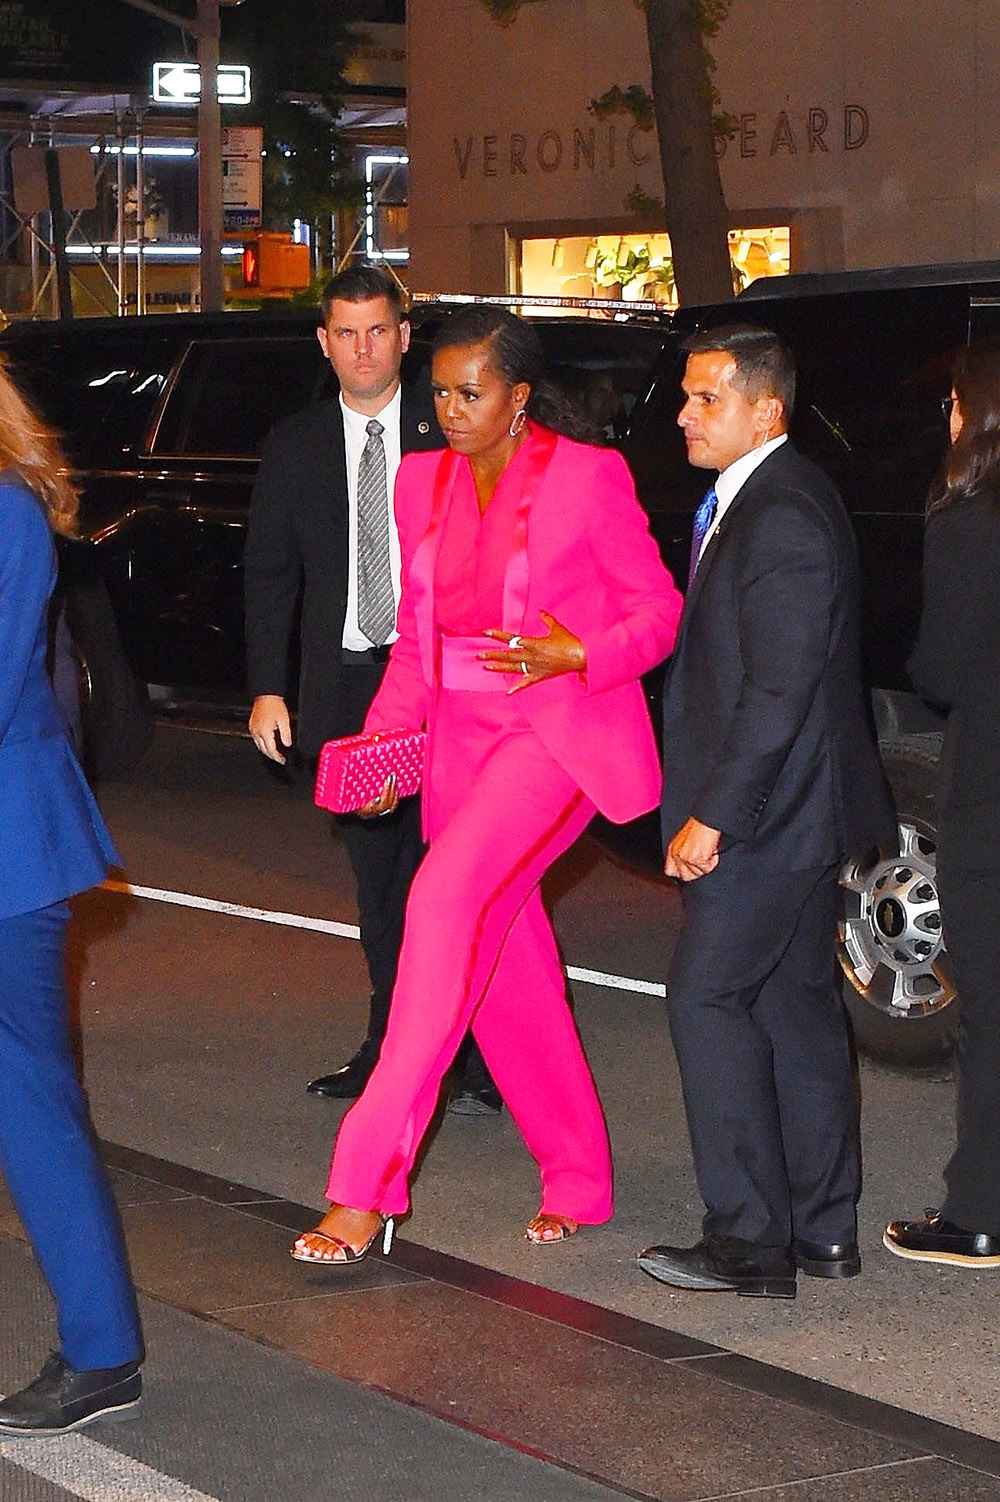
point(935, 1239)
point(348, 1082)
point(478, 1100)
point(61, 1399)
point(819, 1259)
point(723, 1264)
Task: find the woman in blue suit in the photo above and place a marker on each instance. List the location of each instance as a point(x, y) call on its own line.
point(53, 843)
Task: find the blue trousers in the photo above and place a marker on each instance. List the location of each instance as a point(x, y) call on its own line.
point(48, 1153)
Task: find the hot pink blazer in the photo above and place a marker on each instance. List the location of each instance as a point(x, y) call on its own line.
point(591, 563)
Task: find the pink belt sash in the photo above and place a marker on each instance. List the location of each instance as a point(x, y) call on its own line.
point(461, 667)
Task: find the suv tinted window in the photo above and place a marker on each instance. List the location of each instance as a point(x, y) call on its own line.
point(229, 392)
point(985, 320)
point(607, 367)
point(98, 392)
point(870, 389)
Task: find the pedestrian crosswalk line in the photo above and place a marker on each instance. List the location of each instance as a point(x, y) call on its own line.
point(94, 1472)
point(347, 930)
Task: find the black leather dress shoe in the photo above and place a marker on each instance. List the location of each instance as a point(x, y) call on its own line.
point(935, 1239)
point(61, 1399)
point(476, 1100)
point(348, 1082)
point(723, 1264)
point(821, 1259)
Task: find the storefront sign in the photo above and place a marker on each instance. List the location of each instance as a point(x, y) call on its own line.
point(378, 61)
point(590, 148)
point(791, 132)
point(583, 148)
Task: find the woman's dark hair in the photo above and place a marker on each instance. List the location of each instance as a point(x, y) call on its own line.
point(516, 355)
point(972, 464)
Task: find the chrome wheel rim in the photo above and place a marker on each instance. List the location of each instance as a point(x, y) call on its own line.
point(891, 946)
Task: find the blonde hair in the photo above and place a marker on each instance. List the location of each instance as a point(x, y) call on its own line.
point(32, 450)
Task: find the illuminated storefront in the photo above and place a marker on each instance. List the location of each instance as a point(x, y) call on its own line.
point(636, 267)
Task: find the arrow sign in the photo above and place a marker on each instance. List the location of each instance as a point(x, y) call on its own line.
point(180, 83)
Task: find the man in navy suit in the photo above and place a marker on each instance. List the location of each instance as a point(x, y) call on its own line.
point(770, 779)
point(301, 565)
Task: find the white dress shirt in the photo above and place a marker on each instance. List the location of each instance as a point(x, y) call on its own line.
point(731, 481)
point(355, 438)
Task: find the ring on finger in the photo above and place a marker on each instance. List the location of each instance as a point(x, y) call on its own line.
point(524, 667)
point(514, 643)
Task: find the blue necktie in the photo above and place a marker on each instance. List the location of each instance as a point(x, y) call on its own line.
point(703, 519)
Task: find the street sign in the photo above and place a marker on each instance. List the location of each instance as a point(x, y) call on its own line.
point(180, 83)
point(242, 148)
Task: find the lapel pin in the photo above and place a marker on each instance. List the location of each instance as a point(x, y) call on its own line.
point(423, 427)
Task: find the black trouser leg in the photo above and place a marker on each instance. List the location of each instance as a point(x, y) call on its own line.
point(384, 856)
point(970, 905)
point(761, 1041)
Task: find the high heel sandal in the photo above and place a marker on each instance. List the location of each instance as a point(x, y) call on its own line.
point(351, 1254)
point(564, 1227)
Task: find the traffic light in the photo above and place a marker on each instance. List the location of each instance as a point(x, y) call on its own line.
point(251, 264)
point(274, 263)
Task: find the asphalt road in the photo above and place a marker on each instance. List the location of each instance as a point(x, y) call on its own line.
point(202, 1023)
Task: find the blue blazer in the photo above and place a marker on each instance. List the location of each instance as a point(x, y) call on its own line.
point(53, 841)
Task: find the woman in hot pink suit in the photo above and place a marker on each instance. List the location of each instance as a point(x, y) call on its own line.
point(534, 598)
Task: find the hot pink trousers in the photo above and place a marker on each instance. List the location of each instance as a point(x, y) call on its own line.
point(478, 948)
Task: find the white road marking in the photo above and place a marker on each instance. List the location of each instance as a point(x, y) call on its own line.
point(349, 931)
point(95, 1473)
point(617, 982)
point(235, 910)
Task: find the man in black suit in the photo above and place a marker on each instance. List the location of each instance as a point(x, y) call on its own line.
point(303, 562)
point(770, 778)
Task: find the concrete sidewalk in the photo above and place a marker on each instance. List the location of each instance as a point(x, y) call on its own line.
point(201, 1026)
point(425, 1377)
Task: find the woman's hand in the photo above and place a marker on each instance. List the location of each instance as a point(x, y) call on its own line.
point(386, 803)
point(534, 658)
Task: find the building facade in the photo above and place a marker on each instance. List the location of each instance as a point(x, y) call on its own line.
point(865, 135)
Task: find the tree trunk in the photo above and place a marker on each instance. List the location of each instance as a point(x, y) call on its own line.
point(697, 221)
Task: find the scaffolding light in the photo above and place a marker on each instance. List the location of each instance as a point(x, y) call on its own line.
point(176, 151)
point(372, 251)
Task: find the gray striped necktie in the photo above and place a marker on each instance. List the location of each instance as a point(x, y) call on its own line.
point(376, 606)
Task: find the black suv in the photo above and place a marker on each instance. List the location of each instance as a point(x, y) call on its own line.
point(163, 418)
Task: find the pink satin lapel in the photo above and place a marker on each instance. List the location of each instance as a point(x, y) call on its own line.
point(421, 577)
point(541, 448)
point(515, 583)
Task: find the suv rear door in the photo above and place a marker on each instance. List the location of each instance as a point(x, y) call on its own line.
point(173, 561)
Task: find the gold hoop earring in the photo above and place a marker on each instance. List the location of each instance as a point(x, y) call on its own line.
point(515, 425)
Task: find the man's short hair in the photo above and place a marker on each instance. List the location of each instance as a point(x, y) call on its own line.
point(764, 365)
point(362, 284)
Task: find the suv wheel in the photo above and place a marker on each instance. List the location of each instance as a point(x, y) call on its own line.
point(115, 709)
point(898, 987)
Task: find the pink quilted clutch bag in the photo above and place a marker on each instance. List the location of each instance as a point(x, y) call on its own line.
point(353, 770)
